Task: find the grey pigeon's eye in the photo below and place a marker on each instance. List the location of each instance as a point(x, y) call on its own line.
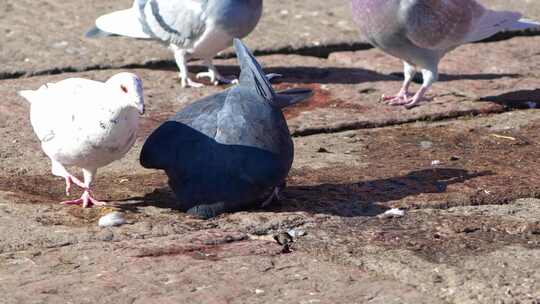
point(124, 88)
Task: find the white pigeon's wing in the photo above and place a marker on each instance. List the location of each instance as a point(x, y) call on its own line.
point(179, 22)
point(55, 104)
point(440, 24)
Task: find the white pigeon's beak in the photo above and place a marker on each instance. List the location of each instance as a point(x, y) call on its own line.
point(140, 107)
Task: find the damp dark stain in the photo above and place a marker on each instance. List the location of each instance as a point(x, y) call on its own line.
point(321, 99)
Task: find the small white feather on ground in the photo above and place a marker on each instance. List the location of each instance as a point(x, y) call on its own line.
point(392, 213)
point(111, 219)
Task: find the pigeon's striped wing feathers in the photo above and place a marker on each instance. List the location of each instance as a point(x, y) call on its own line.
point(177, 22)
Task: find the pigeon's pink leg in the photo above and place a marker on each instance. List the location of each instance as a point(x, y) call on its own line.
point(70, 179)
point(429, 76)
point(419, 96)
point(59, 170)
point(86, 200)
point(403, 97)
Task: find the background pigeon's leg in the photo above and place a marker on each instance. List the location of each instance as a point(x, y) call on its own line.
point(86, 199)
point(429, 76)
point(403, 97)
point(59, 170)
point(180, 57)
point(214, 75)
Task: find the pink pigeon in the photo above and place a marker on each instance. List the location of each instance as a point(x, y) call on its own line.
point(421, 32)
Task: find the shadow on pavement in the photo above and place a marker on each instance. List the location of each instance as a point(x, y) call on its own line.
point(521, 99)
point(348, 200)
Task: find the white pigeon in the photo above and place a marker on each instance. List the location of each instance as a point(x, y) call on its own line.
point(87, 124)
point(191, 28)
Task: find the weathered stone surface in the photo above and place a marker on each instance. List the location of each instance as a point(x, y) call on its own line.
point(179, 269)
point(471, 254)
point(47, 35)
point(464, 167)
point(29, 45)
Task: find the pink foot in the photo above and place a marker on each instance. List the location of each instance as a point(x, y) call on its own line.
point(86, 200)
point(418, 97)
point(70, 180)
point(403, 97)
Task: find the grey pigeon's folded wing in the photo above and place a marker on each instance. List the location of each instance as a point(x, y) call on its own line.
point(440, 24)
point(183, 134)
point(180, 22)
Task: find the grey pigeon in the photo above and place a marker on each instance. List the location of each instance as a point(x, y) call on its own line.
point(86, 123)
point(421, 32)
point(228, 151)
point(191, 28)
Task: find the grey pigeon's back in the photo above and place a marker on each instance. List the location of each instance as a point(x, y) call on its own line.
point(228, 151)
point(177, 22)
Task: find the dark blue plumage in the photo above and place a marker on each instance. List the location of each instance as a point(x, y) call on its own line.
point(228, 151)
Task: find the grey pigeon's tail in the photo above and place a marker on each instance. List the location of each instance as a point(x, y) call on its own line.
point(251, 74)
point(97, 33)
point(291, 96)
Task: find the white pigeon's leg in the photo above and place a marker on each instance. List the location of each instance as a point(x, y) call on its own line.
point(213, 74)
point(180, 57)
point(429, 76)
point(86, 200)
point(403, 96)
point(59, 170)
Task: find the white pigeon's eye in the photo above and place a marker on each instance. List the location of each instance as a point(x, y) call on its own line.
point(124, 88)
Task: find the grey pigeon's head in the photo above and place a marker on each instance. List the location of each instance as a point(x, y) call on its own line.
point(131, 85)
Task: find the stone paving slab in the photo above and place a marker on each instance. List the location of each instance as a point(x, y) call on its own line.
point(341, 182)
point(47, 36)
point(467, 236)
point(29, 46)
point(347, 87)
point(184, 269)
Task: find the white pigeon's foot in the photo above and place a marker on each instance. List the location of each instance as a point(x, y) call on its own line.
point(216, 79)
point(188, 82)
point(70, 180)
point(86, 200)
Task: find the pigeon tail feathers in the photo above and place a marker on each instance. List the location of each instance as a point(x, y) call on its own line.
point(32, 95)
point(289, 97)
point(29, 95)
point(251, 74)
point(493, 22)
point(124, 23)
point(95, 32)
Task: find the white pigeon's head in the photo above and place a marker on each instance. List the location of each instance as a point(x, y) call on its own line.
point(131, 85)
